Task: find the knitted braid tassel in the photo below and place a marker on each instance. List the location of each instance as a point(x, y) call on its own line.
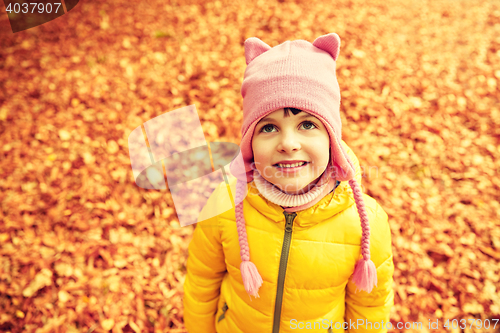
point(251, 277)
point(365, 272)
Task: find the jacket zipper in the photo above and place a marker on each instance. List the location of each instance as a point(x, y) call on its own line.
point(224, 309)
point(282, 271)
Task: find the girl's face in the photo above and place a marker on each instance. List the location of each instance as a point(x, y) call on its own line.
point(294, 138)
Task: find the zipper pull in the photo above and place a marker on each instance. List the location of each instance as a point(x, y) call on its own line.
point(289, 220)
point(223, 315)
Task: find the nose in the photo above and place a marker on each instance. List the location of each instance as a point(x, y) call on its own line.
point(289, 142)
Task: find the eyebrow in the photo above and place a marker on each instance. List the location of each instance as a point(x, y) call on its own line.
point(301, 117)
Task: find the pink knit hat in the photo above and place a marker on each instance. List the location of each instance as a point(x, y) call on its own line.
point(295, 74)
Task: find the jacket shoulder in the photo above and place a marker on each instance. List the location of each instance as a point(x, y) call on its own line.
point(220, 201)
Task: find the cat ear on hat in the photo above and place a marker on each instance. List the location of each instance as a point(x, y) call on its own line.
point(329, 43)
point(254, 47)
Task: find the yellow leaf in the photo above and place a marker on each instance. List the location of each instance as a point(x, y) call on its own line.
point(63, 295)
point(3, 113)
point(112, 147)
point(120, 263)
point(108, 324)
point(134, 327)
point(64, 135)
point(42, 279)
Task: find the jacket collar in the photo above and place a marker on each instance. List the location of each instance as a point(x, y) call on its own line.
point(331, 204)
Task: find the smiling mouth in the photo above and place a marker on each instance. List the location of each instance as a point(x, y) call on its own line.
point(290, 166)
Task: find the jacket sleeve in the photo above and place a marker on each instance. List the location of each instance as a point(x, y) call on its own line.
point(206, 268)
point(363, 308)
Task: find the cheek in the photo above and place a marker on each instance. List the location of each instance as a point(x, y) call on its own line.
point(258, 160)
point(259, 151)
point(324, 153)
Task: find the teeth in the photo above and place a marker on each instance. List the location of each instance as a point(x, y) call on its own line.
point(291, 165)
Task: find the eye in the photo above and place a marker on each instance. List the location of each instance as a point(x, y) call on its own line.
point(266, 126)
point(308, 123)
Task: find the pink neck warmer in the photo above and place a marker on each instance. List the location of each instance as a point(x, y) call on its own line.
point(294, 203)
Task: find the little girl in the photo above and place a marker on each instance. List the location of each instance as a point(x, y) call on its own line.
point(305, 242)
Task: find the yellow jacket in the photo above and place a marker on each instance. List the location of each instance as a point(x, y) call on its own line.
point(317, 294)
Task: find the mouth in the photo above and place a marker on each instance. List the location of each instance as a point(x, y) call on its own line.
point(290, 167)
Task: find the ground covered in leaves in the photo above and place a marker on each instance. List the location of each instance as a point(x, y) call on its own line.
point(83, 249)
